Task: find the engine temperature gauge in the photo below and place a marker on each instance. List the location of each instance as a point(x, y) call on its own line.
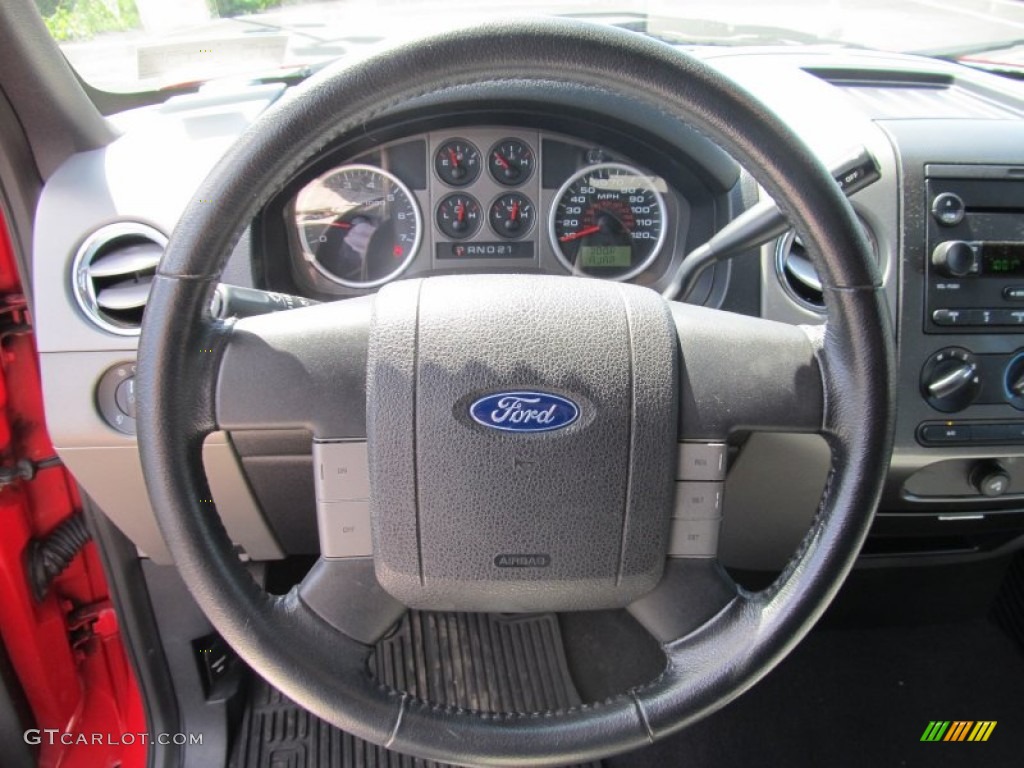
point(510, 162)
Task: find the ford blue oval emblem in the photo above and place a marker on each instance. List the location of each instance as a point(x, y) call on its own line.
point(524, 411)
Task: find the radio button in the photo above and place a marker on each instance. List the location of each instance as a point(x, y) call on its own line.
point(948, 209)
point(1013, 293)
point(989, 317)
point(949, 317)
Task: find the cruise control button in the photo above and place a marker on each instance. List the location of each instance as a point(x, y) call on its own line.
point(701, 461)
point(342, 471)
point(695, 501)
point(344, 528)
point(694, 538)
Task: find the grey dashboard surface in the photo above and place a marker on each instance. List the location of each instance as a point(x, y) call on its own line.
point(156, 166)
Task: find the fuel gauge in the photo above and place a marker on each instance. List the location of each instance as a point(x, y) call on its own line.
point(457, 162)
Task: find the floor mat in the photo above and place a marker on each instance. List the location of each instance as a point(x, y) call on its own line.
point(477, 661)
point(852, 698)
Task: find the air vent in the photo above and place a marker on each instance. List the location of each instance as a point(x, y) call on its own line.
point(797, 273)
point(112, 273)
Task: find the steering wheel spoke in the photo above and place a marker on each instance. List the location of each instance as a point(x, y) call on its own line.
point(301, 368)
point(344, 593)
point(692, 591)
point(743, 373)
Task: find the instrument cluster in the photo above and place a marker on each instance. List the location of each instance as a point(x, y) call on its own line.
point(484, 199)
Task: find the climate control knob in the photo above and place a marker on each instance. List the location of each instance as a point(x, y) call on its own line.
point(955, 258)
point(950, 380)
point(1013, 381)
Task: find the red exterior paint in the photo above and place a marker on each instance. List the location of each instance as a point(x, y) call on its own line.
point(92, 688)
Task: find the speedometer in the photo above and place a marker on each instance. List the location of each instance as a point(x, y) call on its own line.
point(608, 221)
point(358, 225)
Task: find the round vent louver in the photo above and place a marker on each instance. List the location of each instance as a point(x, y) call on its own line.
point(797, 273)
point(112, 273)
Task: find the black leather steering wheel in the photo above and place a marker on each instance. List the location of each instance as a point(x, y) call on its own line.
point(350, 369)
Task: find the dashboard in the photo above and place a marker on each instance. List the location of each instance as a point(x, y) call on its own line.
point(583, 193)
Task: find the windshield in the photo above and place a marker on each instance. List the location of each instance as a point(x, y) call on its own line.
point(141, 45)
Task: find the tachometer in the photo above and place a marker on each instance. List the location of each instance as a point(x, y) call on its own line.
point(359, 225)
point(609, 221)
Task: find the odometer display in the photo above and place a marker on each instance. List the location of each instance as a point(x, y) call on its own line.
point(359, 226)
point(603, 256)
point(609, 221)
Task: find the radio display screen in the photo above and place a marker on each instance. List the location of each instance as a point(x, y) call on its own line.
point(1002, 259)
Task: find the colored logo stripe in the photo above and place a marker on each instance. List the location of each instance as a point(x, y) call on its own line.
point(958, 730)
point(982, 730)
point(935, 730)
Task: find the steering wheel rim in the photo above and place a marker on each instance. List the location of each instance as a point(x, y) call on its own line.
point(291, 645)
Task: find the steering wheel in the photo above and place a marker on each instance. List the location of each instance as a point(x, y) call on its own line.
point(404, 369)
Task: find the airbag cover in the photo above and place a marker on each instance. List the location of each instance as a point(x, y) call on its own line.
point(522, 438)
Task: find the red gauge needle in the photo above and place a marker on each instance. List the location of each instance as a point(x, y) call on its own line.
point(460, 211)
point(340, 224)
point(514, 213)
point(453, 157)
point(577, 235)
point(501, 160)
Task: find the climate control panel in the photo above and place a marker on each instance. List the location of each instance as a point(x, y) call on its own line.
point(954, 378)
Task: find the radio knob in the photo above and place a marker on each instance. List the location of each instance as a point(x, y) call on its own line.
point(955, 258)
point(950, 380)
